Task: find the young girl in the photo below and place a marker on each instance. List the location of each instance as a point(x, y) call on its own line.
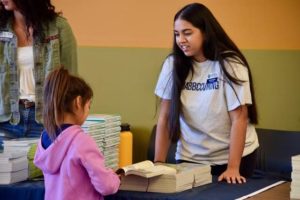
point(71, 162)
point(207, 99)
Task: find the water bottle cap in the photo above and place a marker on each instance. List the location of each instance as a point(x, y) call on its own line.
point(125, 127)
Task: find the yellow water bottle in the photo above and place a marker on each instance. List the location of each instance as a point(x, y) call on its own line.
point(125, 148)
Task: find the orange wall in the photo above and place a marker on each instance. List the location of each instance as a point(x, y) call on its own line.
point(252, 24)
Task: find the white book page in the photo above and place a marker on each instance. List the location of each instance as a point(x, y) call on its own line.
point(141, 165)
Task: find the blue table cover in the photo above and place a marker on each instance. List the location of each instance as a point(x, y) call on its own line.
point(34, 190)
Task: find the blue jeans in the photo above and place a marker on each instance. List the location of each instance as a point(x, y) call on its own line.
point(27, 126)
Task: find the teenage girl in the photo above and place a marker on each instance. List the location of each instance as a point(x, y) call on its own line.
point(207, 98)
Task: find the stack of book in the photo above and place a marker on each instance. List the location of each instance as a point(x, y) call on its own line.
point(134, 183)
point(105, 129)
point(13, 167)
point(295, 185)
point(187, 176)
point(136, 177)
point(23, 144)
point(164, 178)
point(182, 180)
point(201, 172)
point(27, 145)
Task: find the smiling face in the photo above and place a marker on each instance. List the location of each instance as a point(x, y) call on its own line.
point(9, 5)
point(189, 39)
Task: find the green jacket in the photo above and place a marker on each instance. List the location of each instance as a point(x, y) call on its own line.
point(58, 48)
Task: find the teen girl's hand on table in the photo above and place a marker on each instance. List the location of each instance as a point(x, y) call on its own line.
point(239, 118)
point(232, 176)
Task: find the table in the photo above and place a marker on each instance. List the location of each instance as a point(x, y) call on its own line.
point(27, 190)
point(213, 191)
point(280, 192)
point(34, 190)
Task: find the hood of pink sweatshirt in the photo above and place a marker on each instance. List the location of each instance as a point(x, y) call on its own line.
point(74, 167)
point(50, 160)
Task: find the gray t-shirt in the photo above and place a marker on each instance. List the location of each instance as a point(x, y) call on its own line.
point(206, 101)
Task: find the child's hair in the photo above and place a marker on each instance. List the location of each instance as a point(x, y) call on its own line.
point(60, 90)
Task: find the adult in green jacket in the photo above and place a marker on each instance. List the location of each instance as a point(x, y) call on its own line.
point(34, 39)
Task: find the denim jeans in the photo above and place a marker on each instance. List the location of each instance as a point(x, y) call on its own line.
point(27, 127)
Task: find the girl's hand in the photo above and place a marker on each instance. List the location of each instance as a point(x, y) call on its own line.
point(120, 176)
point(232, 176)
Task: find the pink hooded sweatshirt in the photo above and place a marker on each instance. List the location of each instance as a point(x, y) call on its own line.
point(73, 168)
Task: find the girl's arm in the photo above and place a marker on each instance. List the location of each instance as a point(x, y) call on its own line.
point(104, 180)
point(162, 141)
point(239, 119)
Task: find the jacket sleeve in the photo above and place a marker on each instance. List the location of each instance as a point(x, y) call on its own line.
point(68, 46)
point(104, 180)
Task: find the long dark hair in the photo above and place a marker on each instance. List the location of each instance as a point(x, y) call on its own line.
point(37, 14)
point(60, 90)
point(217, 46)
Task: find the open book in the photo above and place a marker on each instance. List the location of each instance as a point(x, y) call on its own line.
point(146, 169)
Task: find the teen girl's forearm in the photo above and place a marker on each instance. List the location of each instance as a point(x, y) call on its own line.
point(237, 136)
point(239, 118)
point(162, 141)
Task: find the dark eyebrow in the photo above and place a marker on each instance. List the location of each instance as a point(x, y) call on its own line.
point(184, 30)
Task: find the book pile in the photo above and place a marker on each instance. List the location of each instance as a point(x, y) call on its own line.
point(201, 172)
point(4, 136)
point(187, 176)
point(134, 183)
point(137, 176)
point(182, 180)
point(23, 144)
point(13, 167)
point(164, 178)
point(27, 145)
point(295, 184)
point(105, 129)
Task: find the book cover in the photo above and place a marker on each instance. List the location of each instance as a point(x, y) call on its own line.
point(104, 117)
